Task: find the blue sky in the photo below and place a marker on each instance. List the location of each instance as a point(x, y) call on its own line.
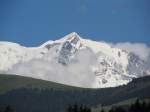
point(32, 22)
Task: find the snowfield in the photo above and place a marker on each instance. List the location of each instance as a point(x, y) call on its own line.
point(74, 61)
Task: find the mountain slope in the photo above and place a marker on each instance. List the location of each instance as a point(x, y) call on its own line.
point(12, 82)
point(74, 61)
point(124, 104)
point(38, 95)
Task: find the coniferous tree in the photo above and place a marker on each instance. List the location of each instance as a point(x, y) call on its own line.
point(69, 109)
point(81, 109)
point(8, 109)
point(111, 110)
point(119, 109)
point(135, 107)
point(148, 107)
point(102, 110)
point(75, 108)
point(143, 106)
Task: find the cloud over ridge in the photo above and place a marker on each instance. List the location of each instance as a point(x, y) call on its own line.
point(139, 49)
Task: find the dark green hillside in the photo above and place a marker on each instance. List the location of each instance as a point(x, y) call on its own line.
point(125, 103)
point(32, 95)
point(11, 82)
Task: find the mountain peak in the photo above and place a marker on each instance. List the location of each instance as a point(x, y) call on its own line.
point(70, 37)
point(74, 34)
point(71, 43)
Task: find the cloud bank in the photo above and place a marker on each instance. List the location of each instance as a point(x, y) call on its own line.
point(77, 73)
point(139, 49)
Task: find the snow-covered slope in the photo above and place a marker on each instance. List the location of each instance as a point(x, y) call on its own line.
point(81, 58)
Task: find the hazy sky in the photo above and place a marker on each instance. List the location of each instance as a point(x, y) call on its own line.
point(32, 22)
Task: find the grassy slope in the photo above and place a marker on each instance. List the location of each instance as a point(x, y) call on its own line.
point(11, 82)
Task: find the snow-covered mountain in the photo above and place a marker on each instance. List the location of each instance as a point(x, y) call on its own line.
point(79, 62)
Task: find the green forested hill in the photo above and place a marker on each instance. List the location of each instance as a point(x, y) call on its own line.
point(34, 95)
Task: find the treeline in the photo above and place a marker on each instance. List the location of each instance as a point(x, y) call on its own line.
point(137, 106)
point(35, 100)
point(7, 109)
point(76, 108)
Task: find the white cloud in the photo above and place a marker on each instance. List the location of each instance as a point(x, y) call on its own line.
point(77, 73)
point(139, 49)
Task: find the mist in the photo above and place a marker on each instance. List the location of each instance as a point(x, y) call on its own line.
point(76, 73)
point(139, 49)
